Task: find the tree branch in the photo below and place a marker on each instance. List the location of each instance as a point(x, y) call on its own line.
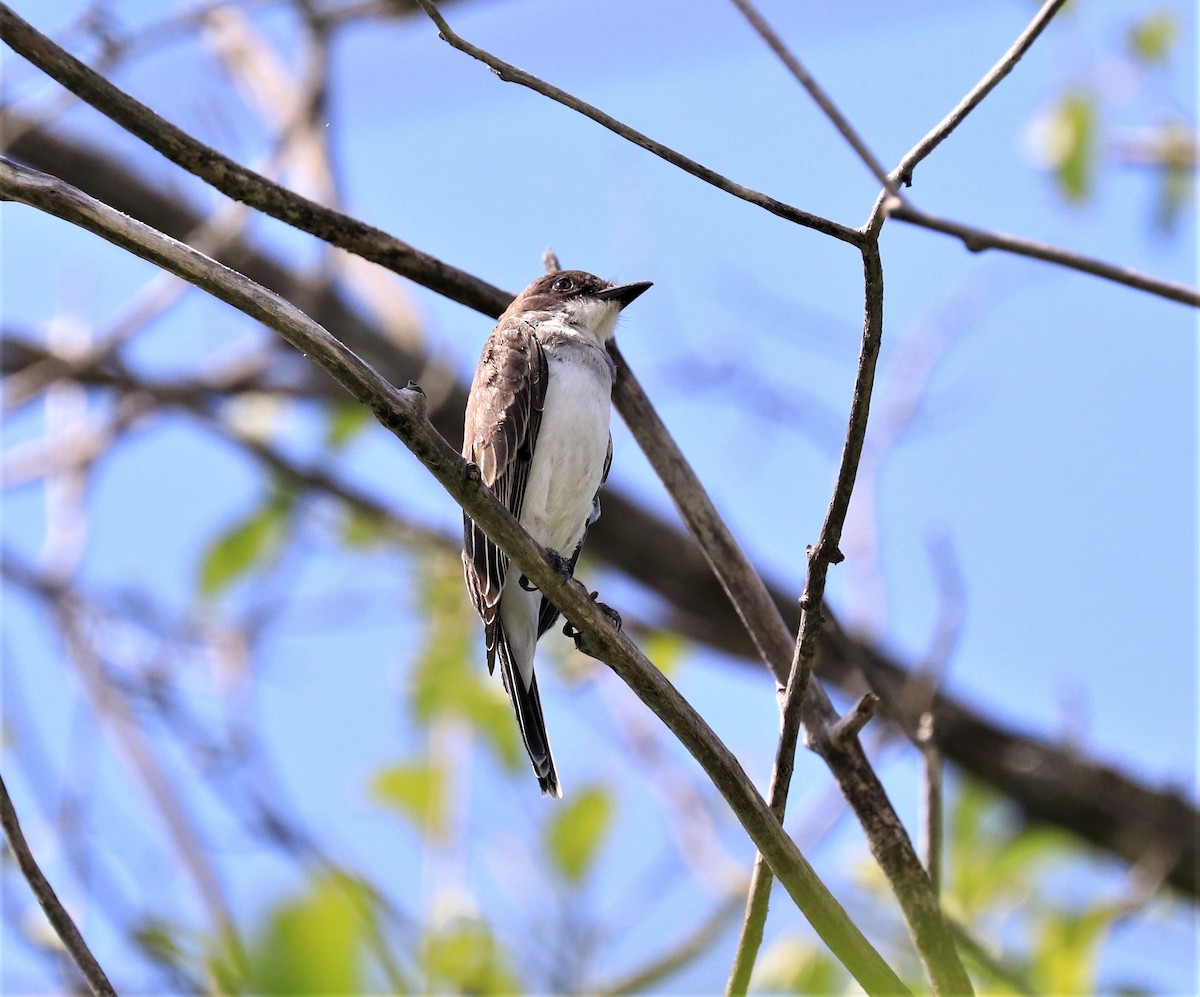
point(977, 240)
point(403, 413)
point(64, 927)
point(903, 173)
point(806, 80)
point(511, 74)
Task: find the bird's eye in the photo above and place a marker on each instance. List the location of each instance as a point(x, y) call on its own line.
point(564, 284)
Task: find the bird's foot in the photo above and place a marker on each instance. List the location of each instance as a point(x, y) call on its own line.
point(613, 616)
point(580, 638)
point(562, 566)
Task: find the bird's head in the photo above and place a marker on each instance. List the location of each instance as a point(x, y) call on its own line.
point(582, 299)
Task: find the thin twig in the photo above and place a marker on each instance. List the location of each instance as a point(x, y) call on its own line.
point(1013, 980)
point(931, 801)
point(977, 240)
point(511, 74)
point(63, 925)
point(403, 413)
point(903, 173)
point(724, 554)
point(806, 80)
point(851, 724)
point(696, 944)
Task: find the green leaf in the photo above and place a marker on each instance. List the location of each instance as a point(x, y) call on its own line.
point(1073, 144)
point(989, 858)
point(577, 830)
point(250, 542)
point(791, 965)
point(666, 650)
point(1066, 949)
point(312, 944)
point(1151, 39)
point(345, 421)
point(360, 530)
point(158, 938)
point(449, 680)
point(1177, 148)
point(418, 791)
point(466, 956)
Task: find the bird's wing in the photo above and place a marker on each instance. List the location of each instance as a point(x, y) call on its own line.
point(504, 413)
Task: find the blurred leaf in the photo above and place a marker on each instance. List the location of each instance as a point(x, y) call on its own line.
point(448, 681)
point(157, 938)
point(418, 791)
point(790, 965)
point(1072, 144)
point(359, 529)
point(1178, 149)
point(989, 859)
point(252, 542)
point(466, 956)
point(345, 420)
point(666, 650)
point(1066, 949)
point(1151, 39)
point(577, 830)
point(313, 944)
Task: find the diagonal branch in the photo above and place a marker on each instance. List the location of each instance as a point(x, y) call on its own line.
point(240, 183)
point(817, 92)
point(63, 925)
point(978, 240)
point(511, 74)
point(403, 413)
point(903, 173)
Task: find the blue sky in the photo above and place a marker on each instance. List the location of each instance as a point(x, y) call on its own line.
point(1056, 450)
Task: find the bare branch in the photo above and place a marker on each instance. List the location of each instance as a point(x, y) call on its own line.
point(724, 554)
point(977, 240)
point(805, 79)
point(851, 724)
point(903, 172)
point(63, 925)
point(511, 74)
point(403, 413)
point(837, 742)
point(696, 944)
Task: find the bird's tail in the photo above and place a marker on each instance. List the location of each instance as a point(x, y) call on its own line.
point(528, 706)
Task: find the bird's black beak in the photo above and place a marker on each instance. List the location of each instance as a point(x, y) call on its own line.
point(623, 294)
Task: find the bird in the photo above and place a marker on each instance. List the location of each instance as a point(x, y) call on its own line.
point(537, 427)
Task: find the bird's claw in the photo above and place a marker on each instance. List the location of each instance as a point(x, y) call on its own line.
point(580, 638)
point(613, 616)
point(561, 565)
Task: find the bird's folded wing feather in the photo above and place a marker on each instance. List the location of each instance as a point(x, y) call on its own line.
point(504, 413)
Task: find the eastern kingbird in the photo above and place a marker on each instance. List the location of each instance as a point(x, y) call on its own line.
point(537, 427)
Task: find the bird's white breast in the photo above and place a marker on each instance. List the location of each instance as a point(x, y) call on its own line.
point(572, 444)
